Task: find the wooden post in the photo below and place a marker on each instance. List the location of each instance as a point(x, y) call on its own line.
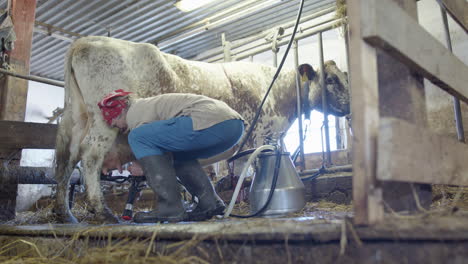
point(381, 86)
point(401, 95)
point(367, 196)
point(14, 92)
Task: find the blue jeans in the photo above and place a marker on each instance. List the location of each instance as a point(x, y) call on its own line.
point(176, 135)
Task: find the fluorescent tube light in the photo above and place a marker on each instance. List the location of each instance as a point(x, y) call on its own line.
point(189, 5)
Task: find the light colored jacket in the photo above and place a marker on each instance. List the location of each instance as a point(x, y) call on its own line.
point(204, 111)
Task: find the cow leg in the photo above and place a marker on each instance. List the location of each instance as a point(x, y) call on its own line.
point(66, 157)
point(62, 210)
point(96, 146)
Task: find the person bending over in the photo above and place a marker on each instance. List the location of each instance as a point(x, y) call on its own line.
point(168, 133)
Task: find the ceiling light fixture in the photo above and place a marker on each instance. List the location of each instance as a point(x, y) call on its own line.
point(189, 5)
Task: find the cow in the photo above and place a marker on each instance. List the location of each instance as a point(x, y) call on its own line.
point(95, 66)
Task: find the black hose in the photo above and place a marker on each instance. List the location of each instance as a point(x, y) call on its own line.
point(259, 110)
point(314, 176)
point(272, 189)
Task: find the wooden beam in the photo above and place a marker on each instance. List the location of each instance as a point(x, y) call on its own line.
point(411, 44)
point(410, 154)
point(367, 197)
point(14, 91)
point(19, 135)
point(458, 9)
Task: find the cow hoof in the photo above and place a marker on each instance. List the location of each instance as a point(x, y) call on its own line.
point(103, 217)
point(64, 216)
point(66, 219)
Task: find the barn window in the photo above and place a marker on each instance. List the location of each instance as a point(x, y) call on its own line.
point(312, 132)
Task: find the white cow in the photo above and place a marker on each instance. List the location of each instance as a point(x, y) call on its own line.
point(97, 65)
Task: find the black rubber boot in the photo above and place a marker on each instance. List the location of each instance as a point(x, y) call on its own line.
point(195, 180)
point(160, 176)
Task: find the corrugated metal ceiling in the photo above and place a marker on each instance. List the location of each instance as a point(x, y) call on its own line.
point(58, 22)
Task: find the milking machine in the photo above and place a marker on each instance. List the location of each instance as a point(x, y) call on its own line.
point(137, 183)
point(276, 188)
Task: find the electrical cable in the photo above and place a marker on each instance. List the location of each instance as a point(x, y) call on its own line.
point(259, 110)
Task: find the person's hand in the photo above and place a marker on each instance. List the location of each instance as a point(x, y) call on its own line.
point(135, 169)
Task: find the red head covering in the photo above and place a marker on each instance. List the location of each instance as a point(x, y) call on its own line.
point(111, 107)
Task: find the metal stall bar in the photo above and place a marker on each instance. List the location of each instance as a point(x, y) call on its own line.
point(248, 40)
point(315, 30)
point(275, 59)
point(242, 46)
point(327, 158)
point(456, 101)
point(299, 106)
point(274, 45)
point(33, 78)
point(338, 136)
point(347, 121)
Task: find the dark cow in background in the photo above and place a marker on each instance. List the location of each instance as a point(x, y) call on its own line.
point(96, 66)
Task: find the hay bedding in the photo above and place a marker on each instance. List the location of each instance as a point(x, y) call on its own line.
point(107, 250)
point(449, 196)
point(446, 199)
point(81, 251)
point(449, 206)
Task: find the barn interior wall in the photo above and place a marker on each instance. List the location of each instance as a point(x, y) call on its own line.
point(439, 103)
